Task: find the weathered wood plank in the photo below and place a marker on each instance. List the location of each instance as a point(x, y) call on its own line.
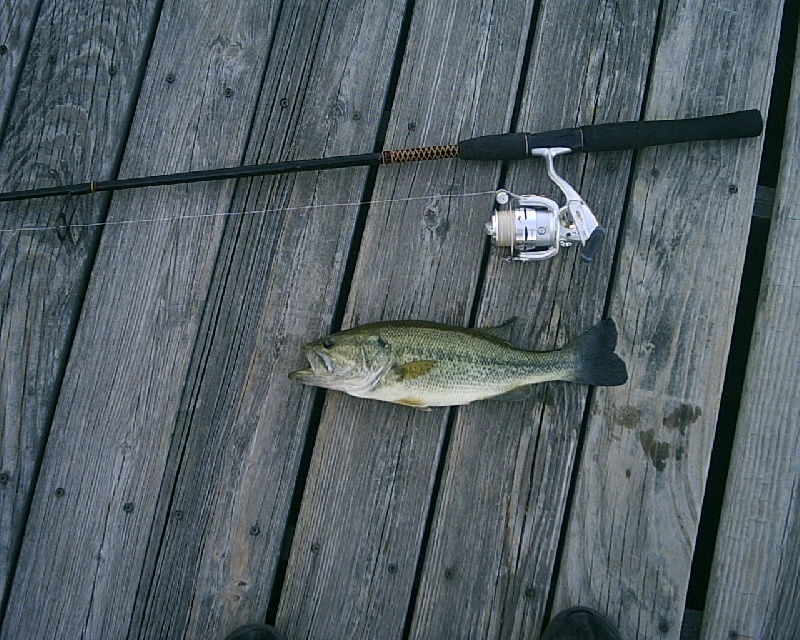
point(637, 503)
point(358, 537)
point(17, 20)
point(495, 533)
point(68, 122)
point(277, 283)
point(753, 592)
point(92, 517)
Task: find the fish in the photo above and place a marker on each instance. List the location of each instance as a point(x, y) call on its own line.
point(424, 364)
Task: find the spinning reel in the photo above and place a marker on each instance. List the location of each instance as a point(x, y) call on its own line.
point(535, 227)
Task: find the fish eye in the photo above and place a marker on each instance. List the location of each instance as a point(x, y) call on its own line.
point(382, 343)
point(328, 343)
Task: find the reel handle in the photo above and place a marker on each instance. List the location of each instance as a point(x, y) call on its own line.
point(614, 136)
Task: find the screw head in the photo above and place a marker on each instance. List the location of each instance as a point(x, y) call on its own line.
point(127, 507)
point(412, 126)
point(228, 92)
point(170, 78)
point(733, 189)
point(60, 492)
point(255, 530)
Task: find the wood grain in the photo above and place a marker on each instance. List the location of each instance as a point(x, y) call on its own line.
point(17, 21)
point(69, 118)
point(754, 580)
point(504, 488)
point(358, 536)
point(276, 285)
point(93, 513)
point(637, 503)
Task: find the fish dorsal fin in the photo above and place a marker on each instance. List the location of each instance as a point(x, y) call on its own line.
point(501, 331)
point(414, 369)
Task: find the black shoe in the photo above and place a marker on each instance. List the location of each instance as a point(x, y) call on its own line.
point(580, 623)
point(254, 632)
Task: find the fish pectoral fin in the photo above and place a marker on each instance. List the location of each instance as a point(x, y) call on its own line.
point(411, 370)
point(515, 395)
point(413, 402)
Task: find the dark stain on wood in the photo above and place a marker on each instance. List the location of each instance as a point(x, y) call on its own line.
point(657, 450)
point(683, 416)
point(628, 417)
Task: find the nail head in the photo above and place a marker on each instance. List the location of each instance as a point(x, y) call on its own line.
point(59, 492)
point(255, 530)
point(127, 507)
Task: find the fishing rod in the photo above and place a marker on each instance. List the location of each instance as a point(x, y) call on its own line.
point(532, 227)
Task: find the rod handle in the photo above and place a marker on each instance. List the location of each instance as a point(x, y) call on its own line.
point(614, 136)
point(635, 135)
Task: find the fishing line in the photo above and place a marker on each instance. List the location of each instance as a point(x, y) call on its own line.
point(109, 223)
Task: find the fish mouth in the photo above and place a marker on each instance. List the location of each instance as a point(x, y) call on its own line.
point(320, 367)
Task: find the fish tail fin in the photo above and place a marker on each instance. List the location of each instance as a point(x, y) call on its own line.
point(595, 360)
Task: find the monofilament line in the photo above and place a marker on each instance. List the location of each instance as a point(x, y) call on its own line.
point(154, 220)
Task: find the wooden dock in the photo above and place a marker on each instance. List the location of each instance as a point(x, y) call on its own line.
point(160, 475)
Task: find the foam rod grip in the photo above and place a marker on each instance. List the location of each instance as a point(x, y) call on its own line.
point(635, 135)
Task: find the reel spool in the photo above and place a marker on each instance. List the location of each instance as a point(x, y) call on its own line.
point(535, 227)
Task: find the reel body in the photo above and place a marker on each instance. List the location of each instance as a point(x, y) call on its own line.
point(535, 228)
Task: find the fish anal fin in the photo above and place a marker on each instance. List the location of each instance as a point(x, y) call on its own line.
point(414, 369)
point(413, 402)
point(515, 395)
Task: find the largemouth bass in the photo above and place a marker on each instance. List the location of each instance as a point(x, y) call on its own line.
point(424, 364)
